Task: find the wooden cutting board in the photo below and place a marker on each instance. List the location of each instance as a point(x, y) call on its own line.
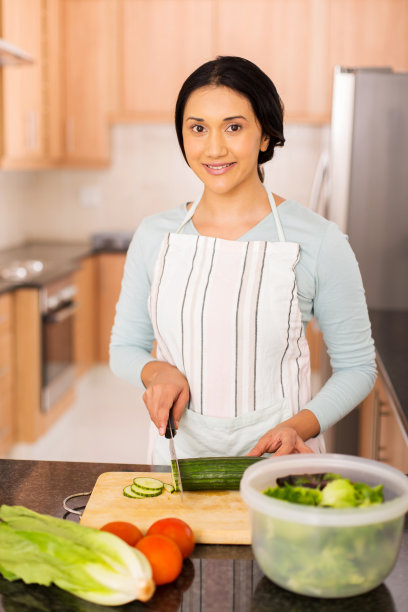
point(216, 517)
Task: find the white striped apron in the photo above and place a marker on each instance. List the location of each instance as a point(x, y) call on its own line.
point(226, 314)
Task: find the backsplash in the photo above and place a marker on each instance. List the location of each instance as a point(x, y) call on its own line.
point(147, 174)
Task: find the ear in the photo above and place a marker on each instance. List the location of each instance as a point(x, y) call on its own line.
point(264, 143)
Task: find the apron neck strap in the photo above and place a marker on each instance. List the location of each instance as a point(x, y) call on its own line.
point(274, 208)
point(272, 203)
point(189, 214)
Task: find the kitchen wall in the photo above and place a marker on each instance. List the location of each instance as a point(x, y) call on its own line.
point(147, 175)
point(15, 200)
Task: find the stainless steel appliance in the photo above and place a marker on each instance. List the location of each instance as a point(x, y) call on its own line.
point(58, 308)
point(368, 168)
point(365, 190)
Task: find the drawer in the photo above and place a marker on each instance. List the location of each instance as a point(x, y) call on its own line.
point(6, 362)
point(6, 423)
point(6, 312)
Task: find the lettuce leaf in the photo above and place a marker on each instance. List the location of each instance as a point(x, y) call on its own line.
point(92, 564)
point(330, 490)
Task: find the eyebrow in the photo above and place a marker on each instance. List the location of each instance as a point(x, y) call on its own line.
point(225, 119)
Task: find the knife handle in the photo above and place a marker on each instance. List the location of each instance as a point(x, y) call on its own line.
point(170, 429)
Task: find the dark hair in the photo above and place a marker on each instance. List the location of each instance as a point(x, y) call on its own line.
point(242, 76)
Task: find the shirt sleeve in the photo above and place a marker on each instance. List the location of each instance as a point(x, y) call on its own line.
point(132, 334)
point(341, 312)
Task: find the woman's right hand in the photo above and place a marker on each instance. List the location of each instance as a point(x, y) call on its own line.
point(166, 387)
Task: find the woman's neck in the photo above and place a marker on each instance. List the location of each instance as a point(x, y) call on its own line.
point(231, 215)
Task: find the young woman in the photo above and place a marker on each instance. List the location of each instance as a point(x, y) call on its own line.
point(227, 284)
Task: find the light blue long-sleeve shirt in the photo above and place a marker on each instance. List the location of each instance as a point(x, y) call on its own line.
point(329, 287)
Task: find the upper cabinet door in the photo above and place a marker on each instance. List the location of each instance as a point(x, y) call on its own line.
point(287, 39)
point(160, 42)
point(85, 81)
point(369, 33)
point(22, 93)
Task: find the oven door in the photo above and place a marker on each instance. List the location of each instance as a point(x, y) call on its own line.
point(58, 372)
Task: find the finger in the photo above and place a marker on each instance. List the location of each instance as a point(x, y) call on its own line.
point(302, 447)
point(180, 405)
point(286, 448)
point(163, 417)
point(259, 449)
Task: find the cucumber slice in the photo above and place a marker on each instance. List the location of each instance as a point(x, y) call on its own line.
point(148, 484)
point(128, 492)
point(144, 493)
point(169, 488)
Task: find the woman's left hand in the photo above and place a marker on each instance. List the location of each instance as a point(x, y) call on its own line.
point(280, 441)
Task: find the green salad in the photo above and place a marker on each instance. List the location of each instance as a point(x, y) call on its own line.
point(326, 560)
point(327, 490)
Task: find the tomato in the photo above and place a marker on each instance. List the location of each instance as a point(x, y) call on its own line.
point(125, 531)
point(177, 530)
point(163, 555)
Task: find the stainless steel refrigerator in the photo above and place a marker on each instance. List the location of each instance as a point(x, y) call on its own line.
point(368, 170)
point(366, 187)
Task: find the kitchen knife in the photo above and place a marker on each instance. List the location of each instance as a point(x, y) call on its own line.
point(170, 433)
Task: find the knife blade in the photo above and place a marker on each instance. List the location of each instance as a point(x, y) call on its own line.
point(170, 433)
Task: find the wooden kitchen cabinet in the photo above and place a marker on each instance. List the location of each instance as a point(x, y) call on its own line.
point(369, 33)
point(159, 43)
point(381, 433)
point(22, 87)
point(289, 40)
point(86, 316)
point(7, 429)
point(30, 421)
point(85, 70)
point(109, 279)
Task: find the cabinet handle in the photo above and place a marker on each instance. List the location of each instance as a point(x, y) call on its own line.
point(70, 135)
point(3, 317)
point(30, 130)
point(4, 371)
point(36, 130)
point(379, 412)
point(376, 425)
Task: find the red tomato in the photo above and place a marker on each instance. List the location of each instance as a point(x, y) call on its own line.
point(125, 531)
point(163, 555)
point(177, 530)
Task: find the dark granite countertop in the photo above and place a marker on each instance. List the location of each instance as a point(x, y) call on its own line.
point(59, 258)
point(215, 579)
point(390, 333)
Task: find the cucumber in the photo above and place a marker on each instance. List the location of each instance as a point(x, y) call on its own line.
point(169, 488)
point(144, 492)
point(128, 492)
point(148, 484)
point(212, 473)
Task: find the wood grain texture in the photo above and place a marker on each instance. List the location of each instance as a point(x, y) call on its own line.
point(219, 517)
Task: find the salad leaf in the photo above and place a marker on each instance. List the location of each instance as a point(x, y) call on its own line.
point(339, 493)
point(330, 490)
point(297, 495)
point(92, 564)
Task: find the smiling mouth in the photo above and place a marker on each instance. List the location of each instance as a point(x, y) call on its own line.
point(219, 166)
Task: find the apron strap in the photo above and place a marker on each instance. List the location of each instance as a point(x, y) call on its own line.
point(189, 214)
point(274, 209)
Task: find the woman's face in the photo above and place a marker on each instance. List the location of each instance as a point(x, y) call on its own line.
point(222, 138)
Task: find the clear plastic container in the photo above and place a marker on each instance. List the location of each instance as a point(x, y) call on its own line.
point(325, 552)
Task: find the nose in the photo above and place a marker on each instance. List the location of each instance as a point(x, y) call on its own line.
point(216, 146)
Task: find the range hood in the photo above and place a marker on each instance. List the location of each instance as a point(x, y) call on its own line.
point(10, 54)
